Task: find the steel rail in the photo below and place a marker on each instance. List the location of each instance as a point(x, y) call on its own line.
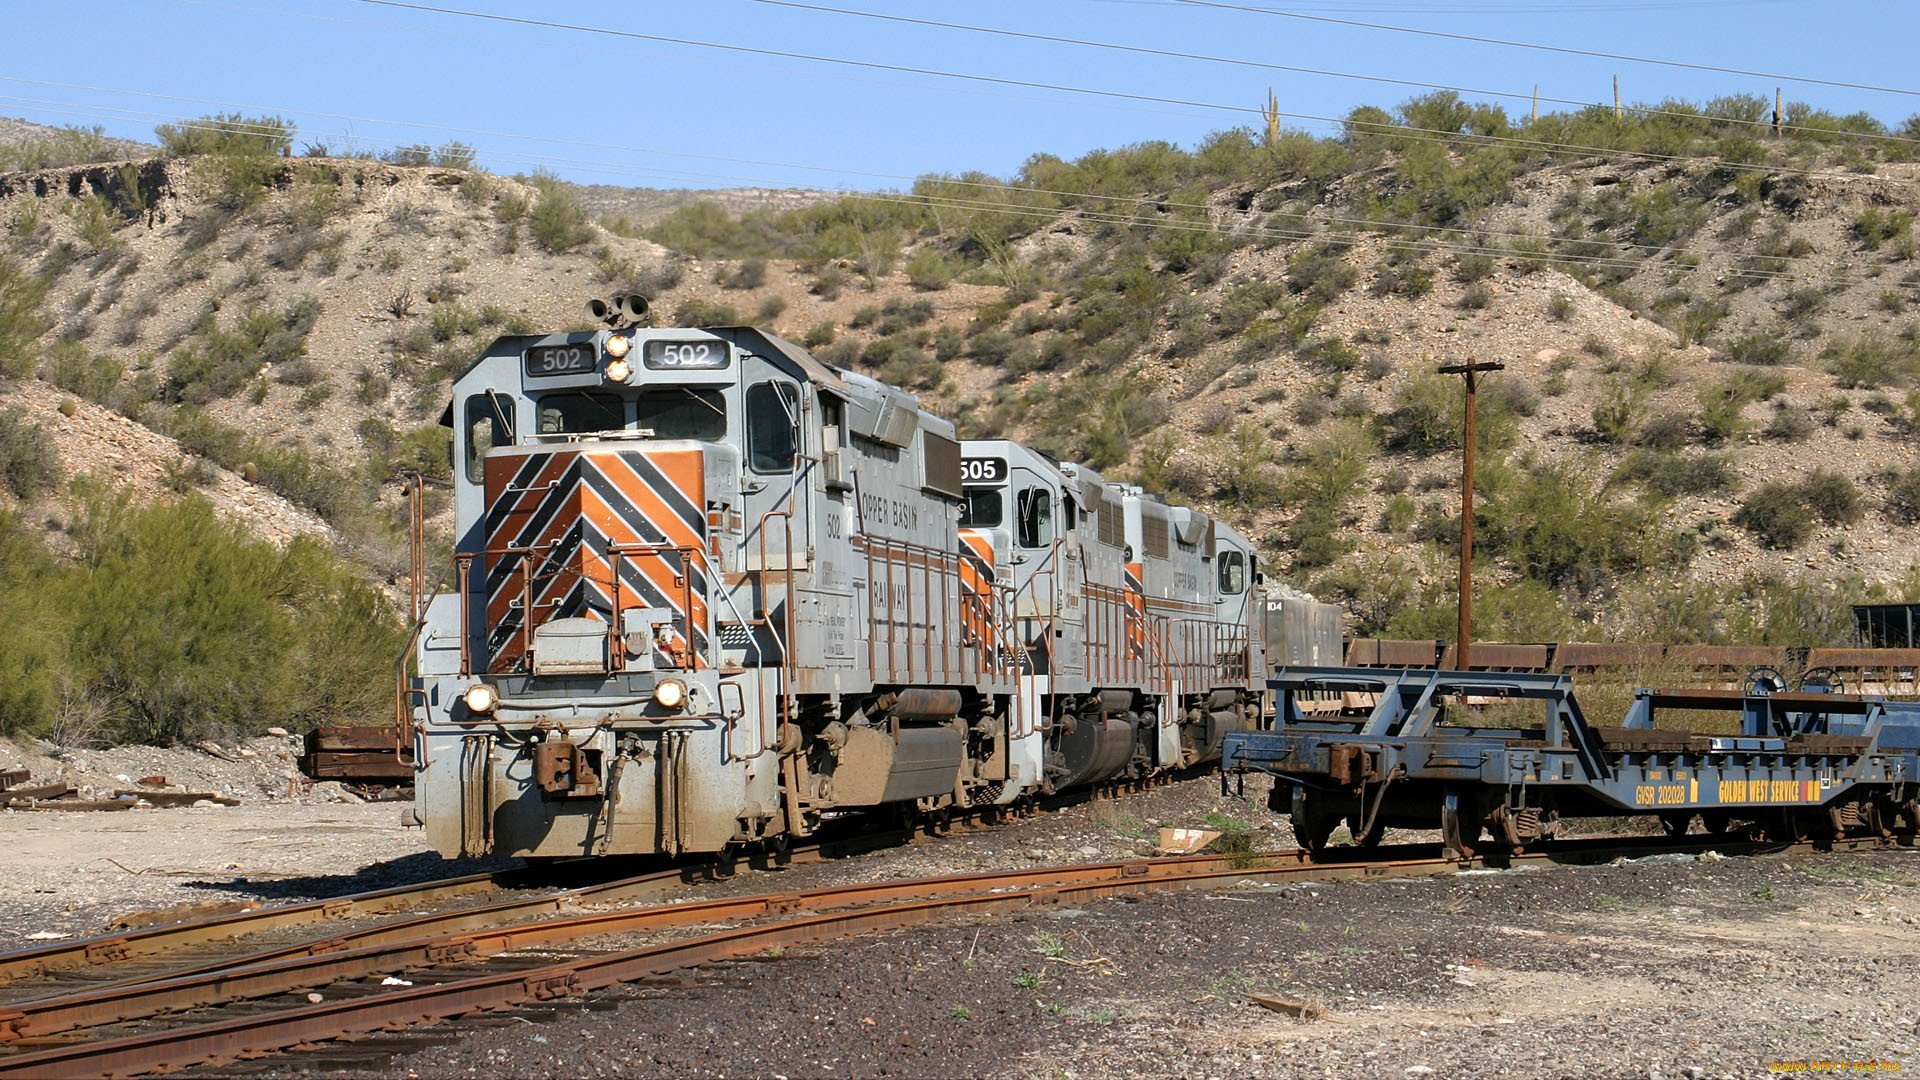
point(158, 940)
point(389, 948)
point(888, 905)
point(154, 941)
point(429, 940)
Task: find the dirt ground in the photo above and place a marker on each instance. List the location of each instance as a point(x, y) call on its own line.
point(1666, 967)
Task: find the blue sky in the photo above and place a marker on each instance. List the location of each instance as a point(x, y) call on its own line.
point(600, 107)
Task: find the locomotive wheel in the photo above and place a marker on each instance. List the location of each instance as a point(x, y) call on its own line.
point(1313, 822)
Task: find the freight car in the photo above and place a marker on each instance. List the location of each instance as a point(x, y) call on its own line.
point(711, 591)
point(1511, 754)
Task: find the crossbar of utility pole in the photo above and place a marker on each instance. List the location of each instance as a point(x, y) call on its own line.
point(1465, 643)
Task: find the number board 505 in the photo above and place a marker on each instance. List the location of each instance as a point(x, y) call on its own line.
point(704, 355)
point(983, 470)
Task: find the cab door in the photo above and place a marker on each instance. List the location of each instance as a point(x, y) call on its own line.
point(1037, 567)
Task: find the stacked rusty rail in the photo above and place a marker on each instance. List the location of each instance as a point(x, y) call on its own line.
point(1880, 671)
point(356, 755)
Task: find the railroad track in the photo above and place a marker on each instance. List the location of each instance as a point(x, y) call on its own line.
point(453, 969)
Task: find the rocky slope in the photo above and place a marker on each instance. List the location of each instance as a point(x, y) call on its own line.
point(406, 271)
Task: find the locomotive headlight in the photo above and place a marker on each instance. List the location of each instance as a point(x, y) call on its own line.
point(670, 693)
point(617, 369)
point(481, 698)
point(619, 345)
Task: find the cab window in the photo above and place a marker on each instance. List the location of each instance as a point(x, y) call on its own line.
point(580, 411)
point(984, 508)
point(1036, 518)
point(1233, 573)
point(682, 412)
point(485, 429)
point(773, 416)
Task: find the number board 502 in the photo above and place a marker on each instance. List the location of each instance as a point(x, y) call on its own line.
point(704, 355)
point(983, 470)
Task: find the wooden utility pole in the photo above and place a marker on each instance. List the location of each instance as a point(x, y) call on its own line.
point(1536, 102)
point(1616, 97)
point(1465, 641)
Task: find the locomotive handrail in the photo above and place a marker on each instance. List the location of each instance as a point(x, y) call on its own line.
point(783, 635)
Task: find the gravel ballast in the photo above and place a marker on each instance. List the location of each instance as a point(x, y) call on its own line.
point(1673, 966)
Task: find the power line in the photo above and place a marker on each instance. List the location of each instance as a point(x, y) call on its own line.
point(1550, 48)
point(1533, 144)
point(1263, 65)
point(1444, 238)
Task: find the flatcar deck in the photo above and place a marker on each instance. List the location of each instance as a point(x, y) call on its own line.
point(1806, 763)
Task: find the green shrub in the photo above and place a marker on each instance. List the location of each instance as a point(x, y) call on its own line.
point(28, 464)
point(1557, 528)
point(1759, 348)
point(899, 362)
point(1320, 273)
point(265, 136)
point(1790, 423)
point(1723, 403)
point(558, 221)
point(1871, 361)
point(929, 270)
point(1673, 474)
point(64, 146)
point(694, 311)
point(454, 155)
point(1777, 515)
point(33, 625)
point(750, 274)
point(169, 619)
point(216, 363)
point(1874, 226)
point(1832, 497)
point(1618, 412)
point(21, 321)
point(1903, 498)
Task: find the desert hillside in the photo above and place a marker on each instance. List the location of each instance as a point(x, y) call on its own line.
point(1705, 429)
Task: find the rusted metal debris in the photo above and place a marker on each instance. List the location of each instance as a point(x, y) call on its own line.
point(37, 792)
point(72, 804)
point(1297, 1009)
point(177, 798)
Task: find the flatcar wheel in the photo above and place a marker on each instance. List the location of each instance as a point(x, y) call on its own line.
point(1716, 822)
point(1676, 824)
point(1313, 825)
point(1453, 828)
point(1875, 819)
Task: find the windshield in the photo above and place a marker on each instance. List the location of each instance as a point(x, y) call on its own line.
point(681, 412)
point(983, 509)
point(580, 411)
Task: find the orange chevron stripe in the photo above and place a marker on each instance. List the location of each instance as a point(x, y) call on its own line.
point(626, 535)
